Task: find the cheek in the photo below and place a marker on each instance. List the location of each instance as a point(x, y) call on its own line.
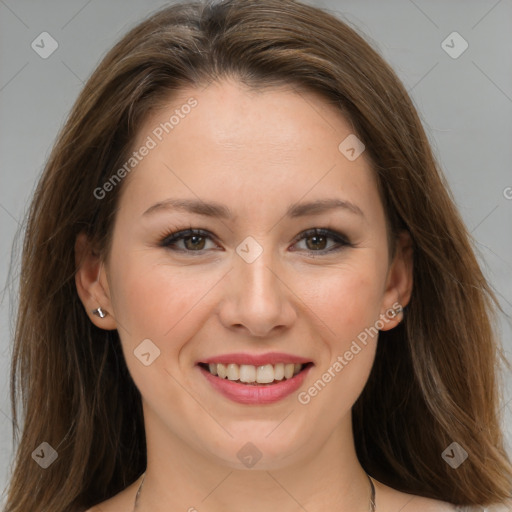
point(153, 301)
point(346, 299)
point(156, 299)
point(166, 306)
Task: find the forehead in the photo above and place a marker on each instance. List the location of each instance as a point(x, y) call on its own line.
point(227, 141)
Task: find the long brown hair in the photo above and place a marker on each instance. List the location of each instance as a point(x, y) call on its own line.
point(435, 377)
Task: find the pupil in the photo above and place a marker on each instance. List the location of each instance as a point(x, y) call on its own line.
point(194, 239)
point(318, 239)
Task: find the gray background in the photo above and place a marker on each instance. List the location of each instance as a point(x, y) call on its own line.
point(465, 104)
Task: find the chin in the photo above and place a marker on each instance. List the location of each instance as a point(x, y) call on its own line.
point(258, 451)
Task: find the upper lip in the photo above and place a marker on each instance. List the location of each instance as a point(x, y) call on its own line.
point(255, 359)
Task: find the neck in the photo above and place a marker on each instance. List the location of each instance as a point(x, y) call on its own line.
point(328, 479)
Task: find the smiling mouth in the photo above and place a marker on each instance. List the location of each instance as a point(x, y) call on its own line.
point(267, 374)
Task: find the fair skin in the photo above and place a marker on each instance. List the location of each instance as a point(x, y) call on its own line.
point(256, 153)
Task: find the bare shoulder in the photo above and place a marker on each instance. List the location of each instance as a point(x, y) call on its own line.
point(421, 504)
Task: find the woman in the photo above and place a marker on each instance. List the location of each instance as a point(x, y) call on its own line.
point(269, 285)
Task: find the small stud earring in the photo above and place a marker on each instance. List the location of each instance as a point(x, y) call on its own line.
point(394, 312)
point(399, 309)
point(99, 312)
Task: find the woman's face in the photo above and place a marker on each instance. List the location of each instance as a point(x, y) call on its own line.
point(255, 287)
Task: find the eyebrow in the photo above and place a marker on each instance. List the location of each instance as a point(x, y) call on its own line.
point(214, 209)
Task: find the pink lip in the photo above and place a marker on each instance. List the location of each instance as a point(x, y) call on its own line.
point(256, 360)
point(255, 394)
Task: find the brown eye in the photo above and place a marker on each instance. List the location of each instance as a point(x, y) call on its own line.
point(323, 241)
point(189, 240)
point(194, 242)
point(318, 242)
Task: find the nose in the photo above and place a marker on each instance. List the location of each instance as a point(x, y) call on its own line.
point(257, 299)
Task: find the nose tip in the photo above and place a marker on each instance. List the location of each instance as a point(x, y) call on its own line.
point(257, 299)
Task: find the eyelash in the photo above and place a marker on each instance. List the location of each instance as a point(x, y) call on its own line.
point(170, 239)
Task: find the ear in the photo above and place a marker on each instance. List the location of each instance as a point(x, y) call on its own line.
point(399, 282)
point(91, 283)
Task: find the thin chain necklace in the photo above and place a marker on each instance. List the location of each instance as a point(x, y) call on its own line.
point(372, 496)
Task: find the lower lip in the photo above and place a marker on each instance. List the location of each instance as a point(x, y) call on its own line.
point(256, 394)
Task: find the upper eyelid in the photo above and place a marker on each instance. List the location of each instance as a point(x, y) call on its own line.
point(339, 238)
point(181, 234)
point(322, 232)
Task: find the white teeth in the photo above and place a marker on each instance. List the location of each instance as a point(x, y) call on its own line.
point(222, 371)
point(233, 372)
point(264, 374)
point(288, 370)
point(247, 373)
point(279, 371)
